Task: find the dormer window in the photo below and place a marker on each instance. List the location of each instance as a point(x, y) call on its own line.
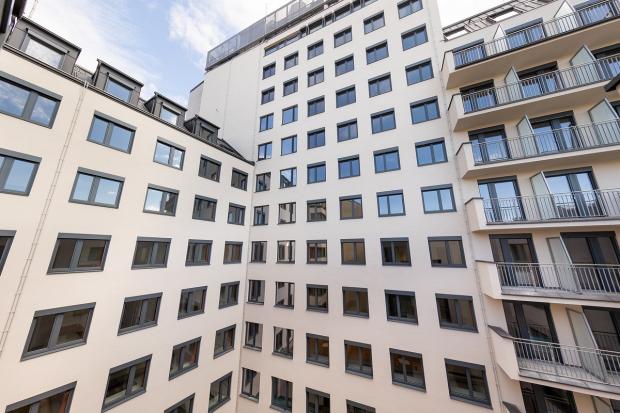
point(503, 15)
point(168, 115)
point(44, 52)
point(118, 90)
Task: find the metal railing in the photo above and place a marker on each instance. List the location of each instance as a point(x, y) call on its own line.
point(562, 140)
point(587, 16)
point(565, 278)
point(570, 206)
point(544, 84)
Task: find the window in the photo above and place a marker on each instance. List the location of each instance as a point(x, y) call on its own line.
point(288, 177)
point(288, 145)
point(316, 138)
point(43, 51)
point(286, 213)
point(229, 294)
point(383, 121)
point(401, 306)
point(387, 160)
point(395, 251)
point(236, 214)
point(198, 252)
point(315, 50)
point(266, 122)
point(204, 208)
point(285, 294)
point(209, 168)
point(373, 23)
point(419, 72)
point(168, 115)
point(353, 407)
point(253, 335)
point(317, 252)
point(118, 90)
point(261, 215)
point(160, 200)
point(351, 207)
point(467, 382)
point(289, 87)
point(6, 239)
point(256, 291)
point(30, 104)
point(259, 252)
point(353, 252)
point(345, 65)
point(316, 76)
point(151, 252)
point(438, 199)
point(219, 392)
point(192, 302)
point(111, 133)
point(342, 37)
point(264, 151)
point(232, 252)
point(408, 7)
point(286, 252)
point(250, 385)
point(289, 115)
point(290, 61)
point(317, 350)
point(431, 152)
point(282, 394)
point(267, 95)
point(424, 111)
point(355, 301)
point(316, 173)
point(348, 167)
point(456, 312)
point(317, 402)
point(60, 397)
point(184, 358)
point(239, 180)
point(358, 358)
point(345, 97)
point(224, 341)
point(79, 253)
point(377, 52)
point(263, 182)
point(317, 297)
point(17, 172)
point(126, 382)
point(390, 204)
point(283, 341)
point(269, 70)
point(316, 106)
point(184, 406)
point(379, 86)
point(414, 38)
point(317, 211)
point(347, 130)
point(169, 154)
point(407, 368)
point(446, 252)
point(58, 329)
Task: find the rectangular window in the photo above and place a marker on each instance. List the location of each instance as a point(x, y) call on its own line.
point(348, 167)
point(184, 358)
point(419, 72)
point(351, 207)
point(17, 172)
point(285, 294)
point(283, 341)
point(151, 253)
point(316, 173)
point(224, 341)
point(250, 385)
point(387, 160)
point(126, 382)
point(96, 188)
point(168, 115)
point(315, 50)
point(431, 152)
point(395, 251)
point(219, 392)
point(467, 382)
point(456, 312)
point(316, 76)
point(377, 52)
point(316, 106)
point(198, 252)
point(286, 252)
point(353, 407)
point(316, 138)
point(316, 252)
point(261, 215)
point(317, 350)
point(264, 151)
point(317, 298)
point(414, 38)
point(383, 121)
point(192, 302)
point(259, 252)
point(118, 90)
point(424, 111)
point(23, 101)
point(111, 133)
point(267, 95)
point(43, 51)
point(239, 180)
point(79, 253)
point(282, 394)
point(401, 306)
point(345, 97)
point(60, 396)
point(317, 211)
point(58, 329)
point(446, 252)
point(317, 402)
point(287, 213)
point(289, 87)
point(209, 168)
point(408, 7)
point(184, 406)
point(373, 23)
point(407, 369)
point(379, 86)
point(269, 70)
point(438, 199)
point(6, 239)
point(342, 37)
point(289, 115)
point(229, 294)
point(168, 154)
point(236, 214)
point(204, 208)
point(355, 301)
point(288, 177)
point(358, 358)
point(353, 252)
point(232, 252)
point(266, 122)
point(263, 182)
point(160, 200)
point(345, 65)
point(253, 335)
point(347, 130)
point(288, 145)
point(391, 204)
point(256, 291)
point(290, 61)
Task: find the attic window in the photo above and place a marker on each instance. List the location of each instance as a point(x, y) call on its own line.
point(456, 33)
point(503, 15)
point(168, 115)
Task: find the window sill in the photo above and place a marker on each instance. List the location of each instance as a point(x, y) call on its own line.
point(248, 397)
point(129, 330)
point(147, 267)
point(255, 302)
point(119, 402)
point(200, 264)
point(257, 349)
point(316, 363)
point(280, 409)
point(74, 201)
point(85, 270)
point(360, 374)
point(223, 353)
point(474, 402)
point(284, 307)
point(453, 328)
point(318, 310)
point(285, 356)
point(226, 306)
point(220, 404)
point(158, 213)
point(366, 316)
point(402, 321)
point(182, 372)
point(40, 353)
point(409, 386)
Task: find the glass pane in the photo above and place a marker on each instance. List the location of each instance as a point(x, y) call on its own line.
point(64, 253)
point(120, 138)
point(143, 253)
point(446, 199)
point(151, 310)
point(58, 403)
point(41, 332)
point(431, 201)
point(82, 187)
point(20, 175)
point(98, 130)
point(43, 53)
point(168, 115)
point(162, 153)
point(139, 377)
point(396, 204)
point(117, 386)
point(43, 110)
point(162, 252)
point(153, 200)
point(107, 192)
point(439, 254)
point(457, 381)
point(12, 98)
point(177, 158)
point(425, 155)
point(73, 326)
point(131, 314)
point(92, 254)
point(116, 89)
point(456, 257)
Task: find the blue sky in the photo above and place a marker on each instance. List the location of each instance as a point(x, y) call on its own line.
point(164, 43)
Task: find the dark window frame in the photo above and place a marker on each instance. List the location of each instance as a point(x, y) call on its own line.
point(145, 302)
point(34, 401)
point(355, 242)
point(198, 199)
point(438, 188)
point(231, 300)
point(183, 347)
point(404, 383)
point(445, 240)
point(418, 66)
point(312, 351)
point(390, 194)
point(205, 161)
point(226, 334)
point(77, 251)
point(9, 159)
point(97, 177)
point(459, 325)
point(171, 145)
point(288, 348)
point(233, 260)
point(157, 242)
point(111, 123)
point(383, 152)
point(190, 292)
point(399, 317)
point(317, 308)
point(131, 366)
point(314, 204)
point(424, 103)
point(468, 367)
point(221, 400)
point(358, 372)
point(33, 93)
point(431, 143)
point(194, 262)
point(392, 248)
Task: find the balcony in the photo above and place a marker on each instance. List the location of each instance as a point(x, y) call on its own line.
point(582, 209)
point(556, 148)
point(593, 25)
point(552, 91)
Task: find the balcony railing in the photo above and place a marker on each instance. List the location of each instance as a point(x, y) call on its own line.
point(541, 85)
point(588, 279)
point(588, 16)
point(570, 206)
point(562, 140)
